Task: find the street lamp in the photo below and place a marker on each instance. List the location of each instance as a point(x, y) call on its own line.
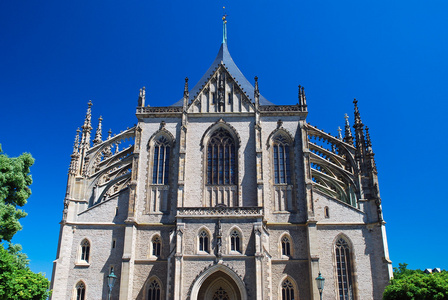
point(111, 278)
point(320, 284)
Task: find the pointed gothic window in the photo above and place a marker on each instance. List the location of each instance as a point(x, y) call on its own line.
point(221, 294)
point(235, 244)
point(156, 245)
point(286, 246)
point(154, 290)
point(85, 251)
point(343, 266)
point(203, 241)
point(281, 160)
point(221, 159)
point(80, 291)
point(161, 165)
point(287, 290)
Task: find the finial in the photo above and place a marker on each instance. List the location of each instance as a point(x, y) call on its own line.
point(142, 97)
point(224, 26)
point(357, 114)
point(99, 134)
point(76, 144)
point(279, 123)
point(339, 133)
point(109, 134)
point(348, 132)
point(256, 90)
point(300, 95)
point(368, 141)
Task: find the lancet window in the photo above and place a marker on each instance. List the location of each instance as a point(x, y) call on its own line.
point(80, 291)
point(156, 246)
point(154, 290)
point(282, 172)
point(203, 241)
point(344, 271)
point(85, 251)
point(235, 241)
point(287, 290)
point(221, 159)
point(160, 173)
point(286, 246)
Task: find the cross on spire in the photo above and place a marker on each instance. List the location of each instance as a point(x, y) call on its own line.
point(224, 26)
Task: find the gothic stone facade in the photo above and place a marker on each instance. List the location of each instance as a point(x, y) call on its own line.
point(222, 195)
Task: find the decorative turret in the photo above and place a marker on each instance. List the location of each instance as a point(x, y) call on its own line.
point(359, 134)
point(75, 155)
point(256, 93)
point(369, 153)
point(86, 129)
point(99, 133)
point(302, 98)
point(142, 97)
point(348, 132)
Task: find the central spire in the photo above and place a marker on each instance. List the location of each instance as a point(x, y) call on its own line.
point(224, 26)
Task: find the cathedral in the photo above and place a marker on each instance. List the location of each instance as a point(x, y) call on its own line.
point(222, 195)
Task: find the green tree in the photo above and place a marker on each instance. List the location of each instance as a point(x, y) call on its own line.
point(416, 285)
point(17, 281)
point(14, 191)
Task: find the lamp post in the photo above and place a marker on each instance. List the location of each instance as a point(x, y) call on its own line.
point(111, 278)
point(320, 284)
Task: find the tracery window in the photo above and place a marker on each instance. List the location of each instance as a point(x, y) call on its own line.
point(343, 266)
point(281, 160)
point(80, 291)
point(221, 159)
point(235, 244)
point(160, 172)
point(221, 294)
point(286, 246)
point(85, 250)
point(203, 241)
point(154, 290)
point(287, 290)
point(156, 246)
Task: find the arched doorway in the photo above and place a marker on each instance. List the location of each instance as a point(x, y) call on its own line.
point(219, 283)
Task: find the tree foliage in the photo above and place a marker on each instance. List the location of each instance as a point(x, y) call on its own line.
point(15, 179)
point(18, 282)
point(416, 285)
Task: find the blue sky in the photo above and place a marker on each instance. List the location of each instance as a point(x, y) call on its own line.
point(55, 56)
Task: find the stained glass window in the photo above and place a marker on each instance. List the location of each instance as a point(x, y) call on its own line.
point(221, 160)
point(343, 266)
point(281, 160)
point(160, 172)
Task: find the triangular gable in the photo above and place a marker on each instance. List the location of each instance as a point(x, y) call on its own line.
point(224, 57)
point(221, 93)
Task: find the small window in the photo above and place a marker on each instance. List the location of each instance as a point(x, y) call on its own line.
point(85, 251)
point(327, 212)
point(114, 243)
point(235, 244)
point(203, 241)
point(286, 246)
point(156, 245)
point(154, 290)
point(80, 291)
point(287, 290)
